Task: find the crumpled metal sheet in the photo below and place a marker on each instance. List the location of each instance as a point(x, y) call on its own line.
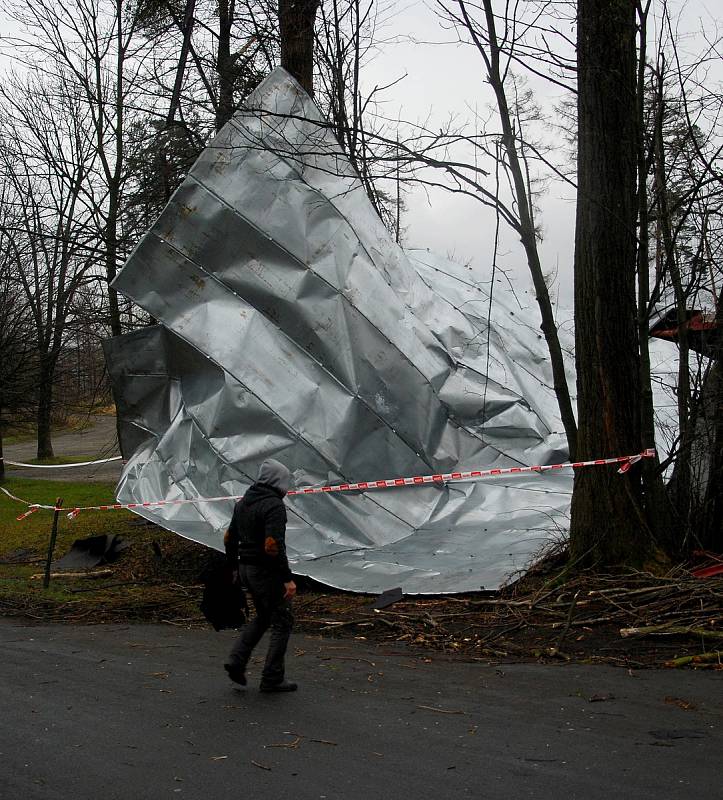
point(292, 326)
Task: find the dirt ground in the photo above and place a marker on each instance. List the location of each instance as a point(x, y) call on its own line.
point(629, 619)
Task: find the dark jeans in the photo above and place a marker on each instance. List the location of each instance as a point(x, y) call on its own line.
point(272, 611)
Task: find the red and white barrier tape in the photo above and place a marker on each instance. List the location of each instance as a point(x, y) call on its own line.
point(448, 477)
point(61, 466)
point(391, 483)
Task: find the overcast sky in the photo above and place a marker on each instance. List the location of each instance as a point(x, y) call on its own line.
point(444, 79)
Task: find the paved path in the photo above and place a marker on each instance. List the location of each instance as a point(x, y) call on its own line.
point(98, 440)
point(129, 712)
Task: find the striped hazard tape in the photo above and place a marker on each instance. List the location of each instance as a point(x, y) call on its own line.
point(389, 483)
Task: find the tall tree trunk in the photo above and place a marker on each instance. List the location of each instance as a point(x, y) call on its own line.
point(111, 255)
point(225, 65)
point(187, 30)
point(657, 498)
point(710, 535)
point(681, 485)
point(45, 407)
point(608, 524)
point(114, 176)
point(296, 24)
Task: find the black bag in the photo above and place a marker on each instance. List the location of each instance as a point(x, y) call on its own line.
point(224, 602)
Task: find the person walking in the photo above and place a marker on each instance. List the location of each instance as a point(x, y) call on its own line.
point(255, 544)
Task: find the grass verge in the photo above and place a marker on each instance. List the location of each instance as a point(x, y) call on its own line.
point(156, 579)
point(33, 532)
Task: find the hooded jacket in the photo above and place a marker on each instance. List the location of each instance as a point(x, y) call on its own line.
point(257, 531)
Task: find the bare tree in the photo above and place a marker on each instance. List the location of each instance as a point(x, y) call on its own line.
point(229, 45)
point(47, 150)
point(685, 190)
point(296, 28)
point(659, 507)
point(497, 53)
point(96, 49)
point(18, 363)
point(348, 35)
point(608, 523)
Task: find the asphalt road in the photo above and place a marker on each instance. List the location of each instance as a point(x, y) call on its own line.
point(147, 712)
point(98, 440)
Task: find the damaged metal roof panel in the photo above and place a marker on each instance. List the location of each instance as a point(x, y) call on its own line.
point(291, 325)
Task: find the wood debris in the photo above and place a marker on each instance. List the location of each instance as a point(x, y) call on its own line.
point(630, 618)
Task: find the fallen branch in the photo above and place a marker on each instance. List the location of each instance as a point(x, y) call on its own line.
point(555, 650)
point(670, 630)
point(347, 658)
point(101, 573)
point(591, 621)
point(290, 745)
point(100, 588)
point(702, 658)
point(334, 625)
point(441, 710)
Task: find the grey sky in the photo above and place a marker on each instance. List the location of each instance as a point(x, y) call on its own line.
point(446, 79)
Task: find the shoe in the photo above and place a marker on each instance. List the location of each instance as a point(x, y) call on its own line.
point(284, 686)
point(236, 673)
